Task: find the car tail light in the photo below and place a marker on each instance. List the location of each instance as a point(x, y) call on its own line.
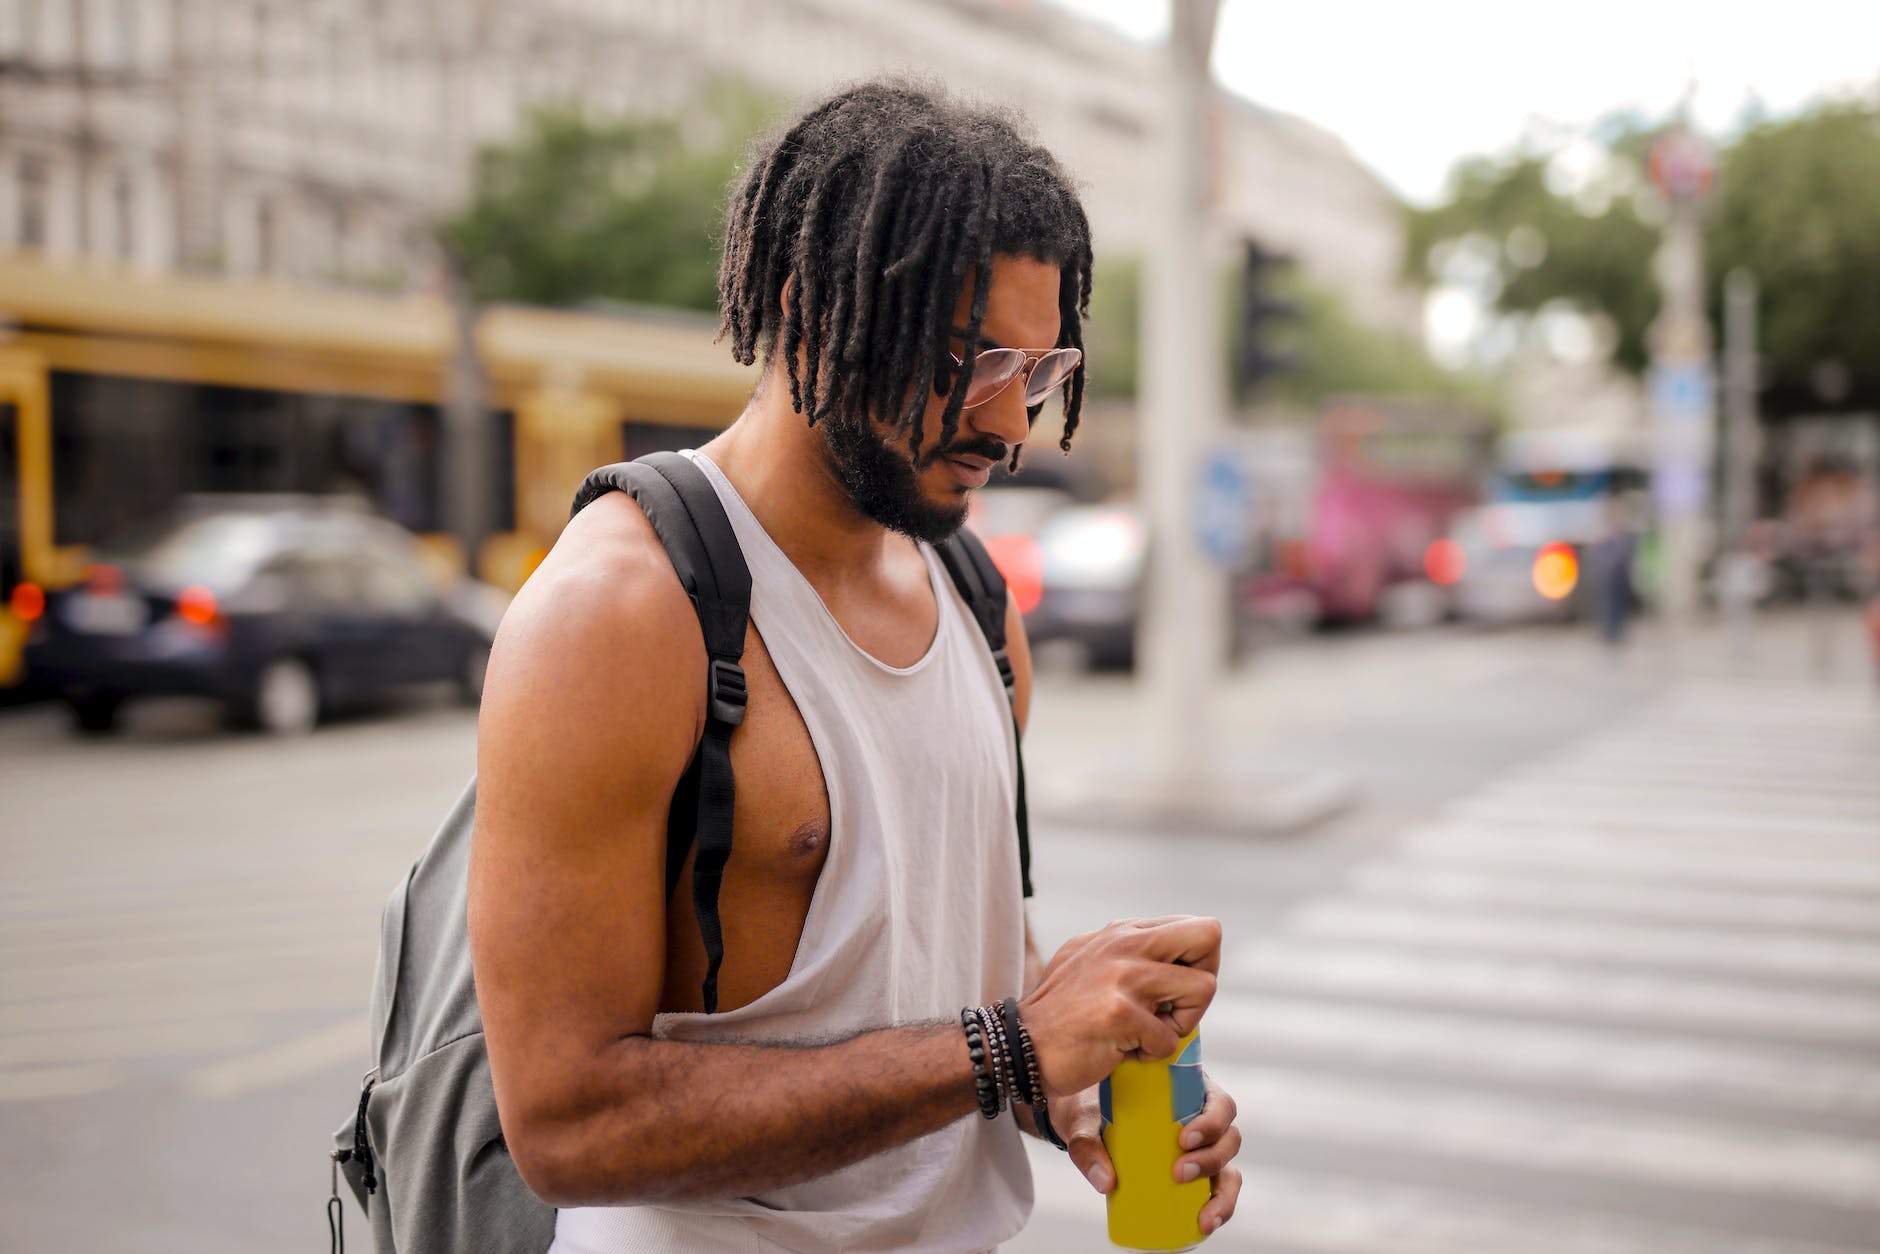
point(105, 580)
point(1445, 563)
point(28, 602)
point(1022, 563)
point(1556, 571)
point(196, 605)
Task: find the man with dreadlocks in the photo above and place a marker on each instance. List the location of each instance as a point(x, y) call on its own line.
point(913, 273)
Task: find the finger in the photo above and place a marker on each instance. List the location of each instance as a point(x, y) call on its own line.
point(1211, 1159)
point(1220, 1207)
point(1217, 1115)
point(1084, 1136)
point(1189, 940)
point(1155, 1038)
point(1179, 996)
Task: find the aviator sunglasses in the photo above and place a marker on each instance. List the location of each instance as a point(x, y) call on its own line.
point(1043, 370)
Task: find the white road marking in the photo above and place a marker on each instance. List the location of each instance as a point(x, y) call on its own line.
point(1594, 764)
point(348, 1040)
point(1651, 796)
point(1391, 880)
point(1815, 833)
point(258, 993)
point(1766, 954)
point(40, 1084)
point(109, 943)
point(124, 1041)
point(307, 952)
point(1556, 1136)
point(1331, 1214)
point(1679, 1067)
point(1608, 853)
point(1514, 986)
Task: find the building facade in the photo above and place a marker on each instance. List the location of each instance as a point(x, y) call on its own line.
point(316, 140)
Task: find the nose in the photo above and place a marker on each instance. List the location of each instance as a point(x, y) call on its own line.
point(1002, 418)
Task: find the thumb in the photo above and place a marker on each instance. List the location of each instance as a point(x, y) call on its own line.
point(1083, 1132)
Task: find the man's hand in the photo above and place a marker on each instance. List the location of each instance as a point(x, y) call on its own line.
point(1132, 989)
point(1209, 1144)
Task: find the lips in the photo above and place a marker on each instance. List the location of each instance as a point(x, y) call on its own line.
point(972, 472)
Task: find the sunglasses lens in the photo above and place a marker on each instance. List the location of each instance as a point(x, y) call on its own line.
point(995, 369)
point(1050, 373)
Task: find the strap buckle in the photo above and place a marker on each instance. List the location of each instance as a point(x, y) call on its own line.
point(1006, 676)
point(725, 692)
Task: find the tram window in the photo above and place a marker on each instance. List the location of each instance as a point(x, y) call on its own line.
point(10, 572)
point(637, 439)
point(34, 188)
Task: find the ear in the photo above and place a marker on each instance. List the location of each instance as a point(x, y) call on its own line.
point(783, 296)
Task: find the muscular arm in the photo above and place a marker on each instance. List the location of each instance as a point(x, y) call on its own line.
point(593, 703)
point(1018, 651)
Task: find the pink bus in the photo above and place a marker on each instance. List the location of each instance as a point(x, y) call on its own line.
point(1391, 474)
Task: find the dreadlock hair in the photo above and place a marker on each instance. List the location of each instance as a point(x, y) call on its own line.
point(878, 201)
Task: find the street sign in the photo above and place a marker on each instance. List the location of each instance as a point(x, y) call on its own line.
point(1223, 512)
point(1683, 408)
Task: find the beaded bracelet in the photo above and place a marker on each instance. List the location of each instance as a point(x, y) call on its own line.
point(1032, 1076)
point(1001, 1051)
point(983, 1083)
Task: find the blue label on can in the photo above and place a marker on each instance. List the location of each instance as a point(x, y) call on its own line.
point(1188, 1089)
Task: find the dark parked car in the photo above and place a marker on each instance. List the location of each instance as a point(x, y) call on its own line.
point(282, 607)
point(1093, 561)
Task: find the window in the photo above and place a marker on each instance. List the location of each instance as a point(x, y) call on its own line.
point(267, 241)
point(34, 185)
point(124, 213)
point(392, 579)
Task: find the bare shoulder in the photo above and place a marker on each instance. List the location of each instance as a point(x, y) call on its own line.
point(592, 703)
point(599, 656)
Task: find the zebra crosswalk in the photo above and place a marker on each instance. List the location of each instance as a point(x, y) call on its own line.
point(1625, 998)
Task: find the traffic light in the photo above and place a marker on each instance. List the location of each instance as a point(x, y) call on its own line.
point(1256, 358)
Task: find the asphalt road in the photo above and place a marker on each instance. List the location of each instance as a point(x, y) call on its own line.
point(1591, 962)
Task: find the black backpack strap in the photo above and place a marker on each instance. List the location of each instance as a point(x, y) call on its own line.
point(685, 510)
point(982, 587)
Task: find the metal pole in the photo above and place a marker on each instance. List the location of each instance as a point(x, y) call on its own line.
point(466, 481)
point(1741, 449)
point(1183, 632)
point(1686, 420)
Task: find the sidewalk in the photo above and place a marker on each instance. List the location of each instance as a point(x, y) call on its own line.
point(1088, 753)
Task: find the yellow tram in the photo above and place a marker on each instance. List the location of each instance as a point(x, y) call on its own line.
point(120, 392)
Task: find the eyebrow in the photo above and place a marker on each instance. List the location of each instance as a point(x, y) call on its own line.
point(984, 339)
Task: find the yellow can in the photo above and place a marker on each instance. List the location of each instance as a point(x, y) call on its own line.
point(1145, 1107)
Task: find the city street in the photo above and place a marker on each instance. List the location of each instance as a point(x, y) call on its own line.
point(1588, 962)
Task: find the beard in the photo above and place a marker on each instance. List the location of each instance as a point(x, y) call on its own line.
point(884, 485)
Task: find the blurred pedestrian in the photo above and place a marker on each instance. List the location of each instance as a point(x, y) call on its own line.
point(913, 273)
point(1609, 571)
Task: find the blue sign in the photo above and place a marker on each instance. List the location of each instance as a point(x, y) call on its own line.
point(1223, 512)
point(1682, 391)
point(1683, 406)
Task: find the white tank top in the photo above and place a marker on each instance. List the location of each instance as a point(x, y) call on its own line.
point(917, 913)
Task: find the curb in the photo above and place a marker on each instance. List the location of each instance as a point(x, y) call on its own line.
point(1270, 805)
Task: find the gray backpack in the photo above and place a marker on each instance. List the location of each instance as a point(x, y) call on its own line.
point(423, 1150)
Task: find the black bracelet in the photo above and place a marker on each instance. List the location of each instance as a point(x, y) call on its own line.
point(1031, 1075)
point(1021, 1070)
point(983, 1082)
point(1001, 1051)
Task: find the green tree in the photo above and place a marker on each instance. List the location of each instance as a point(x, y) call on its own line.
point(578, 209)
point(1795, 203)
point(1335, 353)
point(1798, 206)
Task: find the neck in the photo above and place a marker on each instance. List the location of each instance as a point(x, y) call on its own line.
point(780, 466)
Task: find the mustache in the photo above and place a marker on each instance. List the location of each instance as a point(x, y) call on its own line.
point(997, 452)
